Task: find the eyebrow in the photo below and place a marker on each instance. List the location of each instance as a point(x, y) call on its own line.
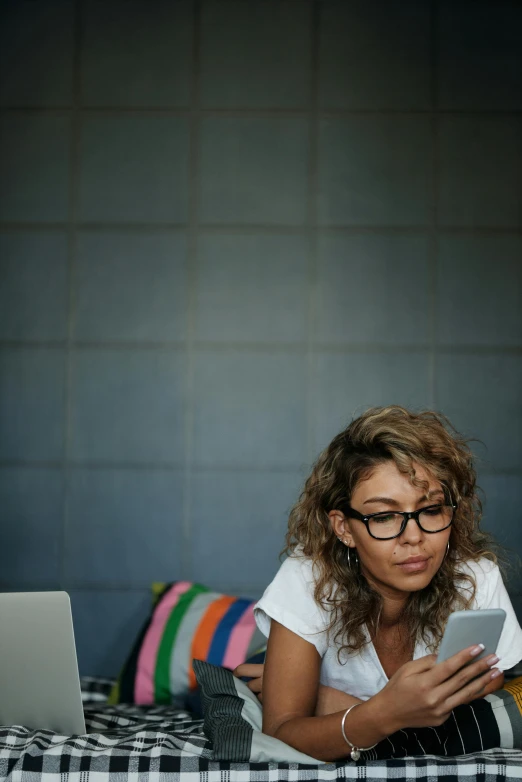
point(390, 501)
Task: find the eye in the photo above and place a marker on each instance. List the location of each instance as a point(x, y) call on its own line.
point(385, 518)
point(434, 510)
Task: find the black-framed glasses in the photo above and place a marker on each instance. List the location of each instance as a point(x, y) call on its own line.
point(390, 524)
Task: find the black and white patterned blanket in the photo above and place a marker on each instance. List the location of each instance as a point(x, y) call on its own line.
point(145, 744)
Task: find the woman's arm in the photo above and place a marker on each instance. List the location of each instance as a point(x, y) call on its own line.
point(422, 693)
point(329, 699)
point(290, 697)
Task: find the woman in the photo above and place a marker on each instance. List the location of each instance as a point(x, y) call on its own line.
point(384, 543)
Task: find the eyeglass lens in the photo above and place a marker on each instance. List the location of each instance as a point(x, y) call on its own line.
point(433, 519)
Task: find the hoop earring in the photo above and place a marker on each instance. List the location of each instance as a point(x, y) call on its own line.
point(447, 551)
point(349, 557)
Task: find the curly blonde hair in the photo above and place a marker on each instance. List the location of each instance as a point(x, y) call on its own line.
point(404, 437)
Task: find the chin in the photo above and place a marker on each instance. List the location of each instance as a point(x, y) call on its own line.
point(414, 582)
point(417, 584)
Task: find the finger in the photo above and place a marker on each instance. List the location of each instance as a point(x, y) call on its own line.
point(465, 685)
point(256, 685)
point(422, 664)
point(495, 683)
point(488, 688)
point(475, 689)
point(249, 669)
point(442, 718)
point(466, 675)
point(445, 670)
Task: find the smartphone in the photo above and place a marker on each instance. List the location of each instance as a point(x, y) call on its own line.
point(468, 628)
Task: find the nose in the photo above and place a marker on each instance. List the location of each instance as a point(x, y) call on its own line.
point(412, 533)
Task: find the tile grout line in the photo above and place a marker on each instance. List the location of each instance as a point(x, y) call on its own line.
point(248, 111)
point(229, 467)
point(74, 163)
point(192, 254)
point(258, 228)
point(433, 234)
point(472, 349)
point(312, 220)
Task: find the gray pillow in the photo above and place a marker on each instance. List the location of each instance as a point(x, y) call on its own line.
point(233, 717)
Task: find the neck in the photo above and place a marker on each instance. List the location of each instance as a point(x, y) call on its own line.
point(393, 603)
point(391, 613)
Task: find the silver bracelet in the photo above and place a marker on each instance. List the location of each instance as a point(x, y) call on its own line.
point(355, 754)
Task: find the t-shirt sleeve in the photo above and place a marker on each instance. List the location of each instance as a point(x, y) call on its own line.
point(491, 593)
point(289, 600)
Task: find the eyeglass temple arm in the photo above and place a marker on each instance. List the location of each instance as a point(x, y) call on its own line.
point(352, 513)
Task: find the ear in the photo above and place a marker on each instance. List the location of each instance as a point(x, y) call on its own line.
point(341, 527)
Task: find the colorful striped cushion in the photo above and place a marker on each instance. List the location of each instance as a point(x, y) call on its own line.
point(188, 622)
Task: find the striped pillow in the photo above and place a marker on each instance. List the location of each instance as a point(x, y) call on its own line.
point(233, 719)
point(188, 621)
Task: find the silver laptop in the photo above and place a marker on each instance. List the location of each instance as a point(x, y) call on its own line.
point(39, 681)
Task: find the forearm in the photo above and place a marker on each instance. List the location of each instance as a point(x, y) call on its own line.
point(321, 737)
point(330, 700)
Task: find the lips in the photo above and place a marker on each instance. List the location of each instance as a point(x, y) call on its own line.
point(414, 564)
point(413, 559)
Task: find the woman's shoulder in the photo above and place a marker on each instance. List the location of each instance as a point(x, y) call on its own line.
point(299, 562)
point(485, 575)
point(289, 599)
point(480, 569)
point(297, 569)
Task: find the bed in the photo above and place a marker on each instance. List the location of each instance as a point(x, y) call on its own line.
point(146, 743)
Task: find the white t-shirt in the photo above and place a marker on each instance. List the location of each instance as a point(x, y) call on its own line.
point(289, 600)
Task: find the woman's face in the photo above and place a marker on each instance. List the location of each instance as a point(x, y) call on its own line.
point(383, 561)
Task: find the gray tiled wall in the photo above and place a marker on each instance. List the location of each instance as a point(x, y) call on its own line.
point(225, 228)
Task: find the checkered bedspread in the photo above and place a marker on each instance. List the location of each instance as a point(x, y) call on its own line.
point(145, 744)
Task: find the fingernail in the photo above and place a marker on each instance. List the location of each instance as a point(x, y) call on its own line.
point(477, 650)
point(495, 673)
point(494, 660)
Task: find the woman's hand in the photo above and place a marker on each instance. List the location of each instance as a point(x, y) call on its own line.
point(255, 672)
point(423, 693)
